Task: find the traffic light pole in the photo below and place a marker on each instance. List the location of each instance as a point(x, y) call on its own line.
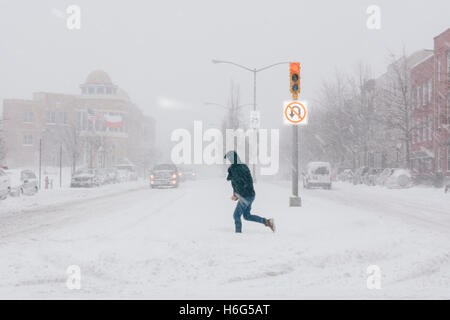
point(295, 200)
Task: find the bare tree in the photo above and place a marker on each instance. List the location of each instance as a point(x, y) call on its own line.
point(2, 143)
point(396, 98)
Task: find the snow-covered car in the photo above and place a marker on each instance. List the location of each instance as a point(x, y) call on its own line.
point(371, 176)
point(126, 172)
point(399, 178)
point(346, 175)
point(165, 174)
point(102, 175)
point(358, 177)
point(22, 182)
point(382, 177)
point(5, 185)
point(318, 174)
point(112, 175)
point(85, 178)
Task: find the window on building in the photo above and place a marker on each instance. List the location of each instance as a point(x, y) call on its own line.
point(91, 90)
point(424, 94)
point(100, 90)
point(418, 131)
point(27, 140)
point(108, 90)
point(439, 68)
point(438, 113)
point(448, 158)
point(51, 117)
point(447, 110)
point(28, 117)
point(418, 96)
point(430, 128)
point(424, 130)
point(438, 159)
point(62, 117)
point(430, 90)
point(448, 65)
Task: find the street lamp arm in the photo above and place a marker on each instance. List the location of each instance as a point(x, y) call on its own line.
point(215, 104)
point(233, 63)
point(270, 66)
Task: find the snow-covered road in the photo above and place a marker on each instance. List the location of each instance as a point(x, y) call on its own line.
point(135, 242)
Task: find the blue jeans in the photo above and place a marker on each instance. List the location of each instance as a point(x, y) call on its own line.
point(243, 207)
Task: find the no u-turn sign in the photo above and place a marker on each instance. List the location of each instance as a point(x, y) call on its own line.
point(295, 113)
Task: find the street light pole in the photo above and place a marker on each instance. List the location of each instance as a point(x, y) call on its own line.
point(40, 161)
point(255, 71)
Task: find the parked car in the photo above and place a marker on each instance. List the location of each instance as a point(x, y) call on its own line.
point(112, 175)
point(85, 178)
point(22, 182)
point(126, 172)
point(382, 177)
point(102, 175)
point(346, 175)
point(5, 185)
point(358, 177)
point(371, 176)
point(318, 174)
point(165, 174)
point(399, 178)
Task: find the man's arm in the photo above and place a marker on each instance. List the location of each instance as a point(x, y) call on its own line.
point(229, 174)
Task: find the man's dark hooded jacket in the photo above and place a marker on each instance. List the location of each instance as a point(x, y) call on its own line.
point(240, 176)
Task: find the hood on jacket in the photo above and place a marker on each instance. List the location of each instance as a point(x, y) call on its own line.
point(233, 157)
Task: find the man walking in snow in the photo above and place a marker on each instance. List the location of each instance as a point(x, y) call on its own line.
point(243, 192)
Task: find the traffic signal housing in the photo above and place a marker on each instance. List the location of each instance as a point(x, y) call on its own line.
point(294, 69)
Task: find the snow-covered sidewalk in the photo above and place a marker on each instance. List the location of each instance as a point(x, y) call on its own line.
point(65, 195)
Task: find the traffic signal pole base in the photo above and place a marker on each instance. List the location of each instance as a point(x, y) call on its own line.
point(295, 201)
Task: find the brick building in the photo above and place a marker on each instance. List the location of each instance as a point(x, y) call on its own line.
point(100, 127)
point(430, 118)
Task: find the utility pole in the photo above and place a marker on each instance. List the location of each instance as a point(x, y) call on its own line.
point(257, 131)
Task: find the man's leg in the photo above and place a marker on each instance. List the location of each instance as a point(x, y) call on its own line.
point(248, 216)
point(237, 216)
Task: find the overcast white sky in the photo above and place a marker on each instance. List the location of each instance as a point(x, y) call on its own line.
point(156, 49)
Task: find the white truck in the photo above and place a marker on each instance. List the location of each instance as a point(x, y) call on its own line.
point(318, 174)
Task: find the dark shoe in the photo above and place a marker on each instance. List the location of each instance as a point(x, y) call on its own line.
point(271, 224)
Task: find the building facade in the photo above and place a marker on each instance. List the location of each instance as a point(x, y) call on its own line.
point(101, 127)
point(430, 117)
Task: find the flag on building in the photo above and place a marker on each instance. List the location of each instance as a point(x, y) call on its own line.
point(113, 121)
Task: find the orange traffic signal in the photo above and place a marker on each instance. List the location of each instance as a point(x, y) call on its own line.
point(294, 69)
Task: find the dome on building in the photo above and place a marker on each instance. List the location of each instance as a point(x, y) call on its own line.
point(98, 77)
